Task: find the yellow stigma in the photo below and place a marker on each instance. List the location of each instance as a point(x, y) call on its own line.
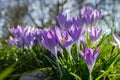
point(63, 40)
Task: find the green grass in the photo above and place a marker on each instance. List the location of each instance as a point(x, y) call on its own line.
point(107, 66)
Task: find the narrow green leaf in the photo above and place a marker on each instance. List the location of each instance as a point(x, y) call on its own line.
point(5, 73)
point(76, 76)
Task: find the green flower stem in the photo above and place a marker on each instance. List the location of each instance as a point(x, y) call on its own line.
point(90, 68)
point(90, 75)
point(60, 71)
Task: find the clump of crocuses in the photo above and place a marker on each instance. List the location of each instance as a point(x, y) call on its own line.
point(24, 36)
point(67, 33)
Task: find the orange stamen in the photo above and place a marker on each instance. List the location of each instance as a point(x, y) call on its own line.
point(63, 40)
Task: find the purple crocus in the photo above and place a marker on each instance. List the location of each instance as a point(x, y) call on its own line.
point(90, 57)
point(64, 39)
point(49, 41)
point(90, 16)
point(76, 33)
point(94, 33)
point(117, 39)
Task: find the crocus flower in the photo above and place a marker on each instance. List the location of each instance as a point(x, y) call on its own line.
point(94, 33)
point(90, 16)
point(76, 33)
point(117, 39)
point(90, 57)
point(49, 41)
point(64, 39)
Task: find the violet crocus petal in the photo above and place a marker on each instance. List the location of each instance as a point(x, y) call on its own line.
point(93, 56)
point(68, 24)
point(77, 22)
point(82, 54)
point(67, 43)
point(37, 38)
point(88, 57)
point(58, 33)
point(117, 38)
point(61, 20)
point(65, 34)
point(96, 53)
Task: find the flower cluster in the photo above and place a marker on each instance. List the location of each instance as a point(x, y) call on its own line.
point(81, 31)
point(68, 33)
point(24, 36)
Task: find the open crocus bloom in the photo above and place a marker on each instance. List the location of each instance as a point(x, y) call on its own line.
point(90, 56)
point(94, 33)
point(63, 37)
point(117, 39)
